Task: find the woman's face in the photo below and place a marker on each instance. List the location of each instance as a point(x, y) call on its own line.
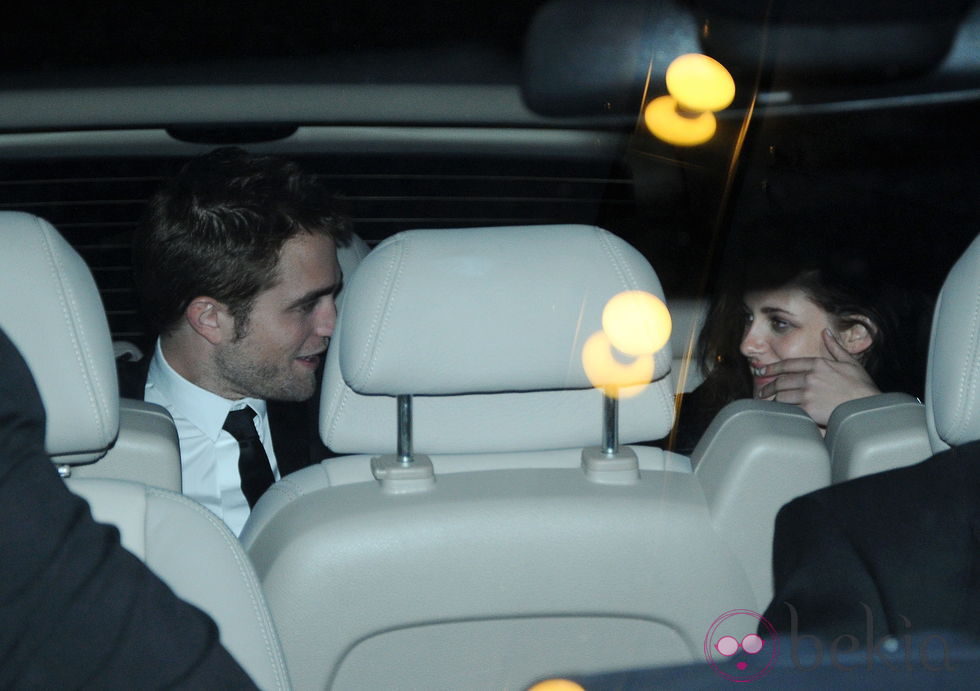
point(781, 324)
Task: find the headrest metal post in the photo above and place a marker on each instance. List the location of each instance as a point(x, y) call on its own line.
point(610, 463)
point(610, 421)
point(405, 429)
point(404, 472)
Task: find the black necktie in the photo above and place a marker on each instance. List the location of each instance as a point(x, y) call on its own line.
point(253, 464)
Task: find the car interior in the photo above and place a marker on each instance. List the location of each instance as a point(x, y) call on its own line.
point(495, 513)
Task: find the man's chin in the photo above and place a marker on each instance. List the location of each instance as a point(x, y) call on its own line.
point(306, 387)
point(298, 394)
point(295, 390)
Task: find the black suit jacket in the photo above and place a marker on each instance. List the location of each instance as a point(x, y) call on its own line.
point(294, 425)
point(885, 554)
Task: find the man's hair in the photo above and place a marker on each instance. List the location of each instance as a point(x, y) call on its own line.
point(218, 228)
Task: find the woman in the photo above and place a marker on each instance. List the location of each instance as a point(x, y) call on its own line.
point(810, 328)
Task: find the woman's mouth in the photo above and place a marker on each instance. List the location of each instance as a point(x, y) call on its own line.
point(759, 378)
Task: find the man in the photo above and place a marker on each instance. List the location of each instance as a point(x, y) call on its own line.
point(236, 268)
point(885, 555)
point(78, 610)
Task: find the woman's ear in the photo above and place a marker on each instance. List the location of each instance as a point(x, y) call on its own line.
point(858, 337)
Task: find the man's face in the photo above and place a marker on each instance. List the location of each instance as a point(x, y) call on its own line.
point(288, 328)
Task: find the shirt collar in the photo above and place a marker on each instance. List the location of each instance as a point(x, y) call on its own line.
point(205, 410)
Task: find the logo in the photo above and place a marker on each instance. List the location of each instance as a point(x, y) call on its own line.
point(733, 637)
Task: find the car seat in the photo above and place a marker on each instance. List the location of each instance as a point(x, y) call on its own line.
point(893, 430)
point(60, 327)
point(953, 371)
point(490, 523)
point(48, 287)
point(877, 433)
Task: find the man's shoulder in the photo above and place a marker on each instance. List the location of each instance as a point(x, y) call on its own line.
point(939, 478)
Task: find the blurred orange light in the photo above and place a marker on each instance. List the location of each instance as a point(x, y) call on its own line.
point(666, 123)
point(557, 685)
point(700, 83)
point(606, 372)
point(636, 322)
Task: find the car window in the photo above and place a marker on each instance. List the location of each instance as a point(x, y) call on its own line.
point(888, 143)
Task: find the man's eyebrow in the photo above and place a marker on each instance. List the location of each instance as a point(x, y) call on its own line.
point(315, 295)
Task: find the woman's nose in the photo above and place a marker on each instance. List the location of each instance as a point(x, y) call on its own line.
point(751, 344)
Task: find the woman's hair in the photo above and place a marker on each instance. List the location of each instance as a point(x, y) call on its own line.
point(838, 278)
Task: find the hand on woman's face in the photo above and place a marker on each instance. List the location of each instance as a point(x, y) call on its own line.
point(796, 357)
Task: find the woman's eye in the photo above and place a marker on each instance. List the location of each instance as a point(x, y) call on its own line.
point(778, 325)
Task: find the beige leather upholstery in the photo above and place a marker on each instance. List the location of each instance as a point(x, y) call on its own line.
point(493, 579)
point(753, 458)
point(61, 329)
point(499, 332)
point(201, 560)
point(516, 559)
point(877, 433)
point(351, 255)
point(146, 450)
point(953, 371)
point(893, 430)
point(53, 313)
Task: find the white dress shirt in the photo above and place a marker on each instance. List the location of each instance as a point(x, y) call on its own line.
point(208, 454)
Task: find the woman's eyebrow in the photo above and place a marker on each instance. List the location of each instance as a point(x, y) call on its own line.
point(776, 310)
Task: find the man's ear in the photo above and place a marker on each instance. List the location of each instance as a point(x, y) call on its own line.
point(210, 319)
point(858, 337)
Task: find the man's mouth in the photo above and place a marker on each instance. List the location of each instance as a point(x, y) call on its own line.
point(310, 360)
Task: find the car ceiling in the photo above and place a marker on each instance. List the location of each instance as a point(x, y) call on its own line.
point(479, 78)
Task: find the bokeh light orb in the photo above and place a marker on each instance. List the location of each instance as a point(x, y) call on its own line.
point(557, 685)
point(636, 322)
point(605, 371)
point(667, 124)
point(700, 83)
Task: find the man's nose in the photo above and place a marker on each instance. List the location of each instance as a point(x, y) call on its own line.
point(326, 319)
